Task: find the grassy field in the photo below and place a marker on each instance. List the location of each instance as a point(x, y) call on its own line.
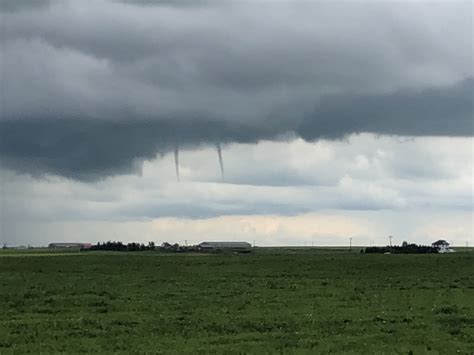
point(272, 300)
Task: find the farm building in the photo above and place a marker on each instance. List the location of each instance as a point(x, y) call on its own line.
point(442, 246)
point(69, 245)
point(234, 246)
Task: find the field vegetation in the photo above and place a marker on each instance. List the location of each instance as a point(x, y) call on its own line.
point(301, 300)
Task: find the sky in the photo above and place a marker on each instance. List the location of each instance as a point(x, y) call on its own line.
point(332, 119)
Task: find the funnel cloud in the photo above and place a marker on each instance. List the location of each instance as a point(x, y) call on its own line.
point(221, 161)
point(176, 162)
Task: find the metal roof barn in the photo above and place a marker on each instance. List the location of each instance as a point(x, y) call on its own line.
point(224, 245)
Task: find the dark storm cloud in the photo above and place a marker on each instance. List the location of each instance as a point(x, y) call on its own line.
point(89, 89)
point(446, 111)
point(93, 148)
point(89, 149)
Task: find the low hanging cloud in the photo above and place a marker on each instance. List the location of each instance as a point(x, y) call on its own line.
point(93, 90)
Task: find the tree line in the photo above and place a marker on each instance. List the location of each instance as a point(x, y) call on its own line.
point(405, 248)
point(119, 246)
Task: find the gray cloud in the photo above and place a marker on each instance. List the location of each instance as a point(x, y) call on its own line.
point(85, 96)
point(446, 111)
point(23, 5)
point(170, 3)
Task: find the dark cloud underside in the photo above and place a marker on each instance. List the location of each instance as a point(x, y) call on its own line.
point(432, 112)
point(89, 149)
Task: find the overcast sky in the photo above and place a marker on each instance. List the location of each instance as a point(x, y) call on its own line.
point(335, 119)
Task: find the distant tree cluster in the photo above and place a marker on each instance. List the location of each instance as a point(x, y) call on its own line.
point(176, 248)
point(119, 246)
point(405, 248)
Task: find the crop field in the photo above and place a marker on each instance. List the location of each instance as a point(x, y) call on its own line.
point(299, 300)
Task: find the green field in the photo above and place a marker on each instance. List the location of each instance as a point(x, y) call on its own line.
point(269, 301)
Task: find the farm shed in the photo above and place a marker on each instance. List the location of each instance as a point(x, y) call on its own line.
point(234, 246)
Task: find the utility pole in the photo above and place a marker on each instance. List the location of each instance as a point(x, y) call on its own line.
point(350, 244)
point(390, 238)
